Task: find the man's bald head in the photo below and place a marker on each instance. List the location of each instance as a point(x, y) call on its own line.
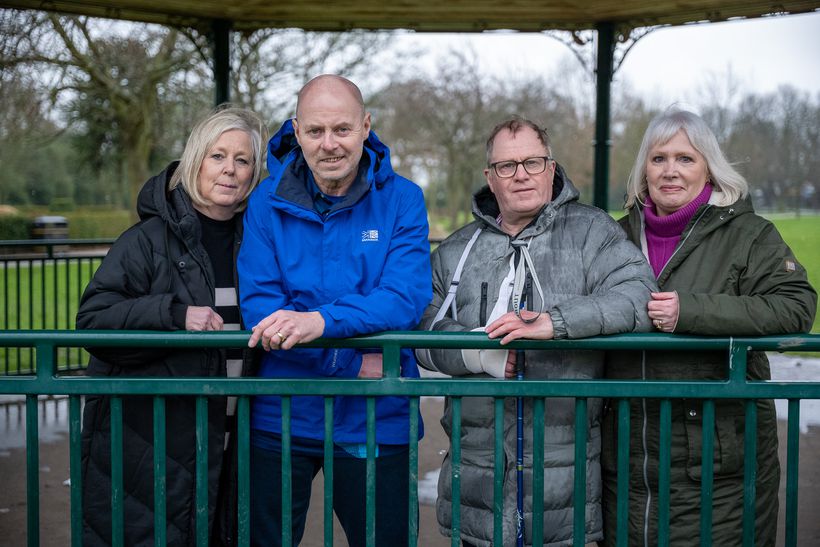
point(331, 83)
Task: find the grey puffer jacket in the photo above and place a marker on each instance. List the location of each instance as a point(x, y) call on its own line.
point(594, 282)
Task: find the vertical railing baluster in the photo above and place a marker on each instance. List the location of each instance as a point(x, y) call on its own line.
point(327, 471)
point(287, 487)
point(580, 495)
point(749, 473)
point(202, 471)
point(537, 527)
point(499, 473)
point(117, 517)
point(792, 468)
point(707, 473)
point(455, 477)
point(413, 474)
point(32, 470)
point(622, 504)
point(75, 468)
point(243, 470)
point(370, 482)
point(665, 470)
point(160, 516)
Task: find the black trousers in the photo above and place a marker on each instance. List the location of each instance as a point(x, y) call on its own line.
point(349, 490)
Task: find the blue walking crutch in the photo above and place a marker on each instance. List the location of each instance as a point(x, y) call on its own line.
point(520, 364)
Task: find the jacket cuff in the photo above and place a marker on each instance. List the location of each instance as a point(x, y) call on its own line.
point(559, 327)
point(178, 313)
point(687, 313)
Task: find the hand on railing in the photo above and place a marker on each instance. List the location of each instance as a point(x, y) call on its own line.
point(283, 329)
point(202, 318)
point(371, 366)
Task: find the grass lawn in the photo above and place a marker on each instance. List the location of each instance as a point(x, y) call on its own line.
point(803, 236)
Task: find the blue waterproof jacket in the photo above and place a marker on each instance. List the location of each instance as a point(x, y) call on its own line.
point(365, 267)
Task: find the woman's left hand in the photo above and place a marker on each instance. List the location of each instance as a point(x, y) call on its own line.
point(663, 310)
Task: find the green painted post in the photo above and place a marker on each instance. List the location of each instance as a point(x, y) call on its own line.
point(603, 84)
point(202, 471)
point(455, 477)
point(537, 526)
point(221, 39)
point(413, 474)
point(499, 474)
point(622, 504)
point(160, 536)
point(328, 471)
point(370, 482)
point(664, 473)
point(32, 471)
point(75, 469)
point(287, 486)
point(749, 473)
point(792, 466)
point(707, 473)
point(243, 474)
point(117, 531)
point(580, 494)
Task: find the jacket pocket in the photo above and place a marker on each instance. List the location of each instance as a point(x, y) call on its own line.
point(727, 455)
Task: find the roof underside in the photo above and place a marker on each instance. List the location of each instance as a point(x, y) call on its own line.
point(422, 15)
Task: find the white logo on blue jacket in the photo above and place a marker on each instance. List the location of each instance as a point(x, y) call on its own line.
point(370, 235)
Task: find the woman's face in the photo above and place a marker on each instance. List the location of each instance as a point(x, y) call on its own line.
point(676, 174)
point(225, 174)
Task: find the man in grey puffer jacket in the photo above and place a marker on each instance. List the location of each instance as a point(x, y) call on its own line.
point(586, 280)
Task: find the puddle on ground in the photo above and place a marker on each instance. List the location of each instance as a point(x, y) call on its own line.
point(52, 413)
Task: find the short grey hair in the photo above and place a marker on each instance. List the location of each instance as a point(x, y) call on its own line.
point(730, 185)
point(202, 139)
point(514, 124)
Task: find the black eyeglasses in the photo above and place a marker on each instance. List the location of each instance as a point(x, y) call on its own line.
point(533, 166)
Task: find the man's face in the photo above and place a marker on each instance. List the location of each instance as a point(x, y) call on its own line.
point(331, 129)
point(521, 196)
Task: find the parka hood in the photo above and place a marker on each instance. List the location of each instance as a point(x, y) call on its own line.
point(485, 205)
point(174, 207)
point(283, 149)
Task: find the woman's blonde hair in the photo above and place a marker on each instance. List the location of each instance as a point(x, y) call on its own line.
point(729, 185)
point(202, 139)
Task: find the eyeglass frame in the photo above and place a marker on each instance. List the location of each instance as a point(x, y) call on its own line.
point(494, 166)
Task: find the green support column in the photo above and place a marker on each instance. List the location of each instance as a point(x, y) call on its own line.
point(221, 39)
point(603, 81)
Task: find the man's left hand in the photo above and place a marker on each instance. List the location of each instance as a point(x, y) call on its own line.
point(283, 329)
point(509, 327)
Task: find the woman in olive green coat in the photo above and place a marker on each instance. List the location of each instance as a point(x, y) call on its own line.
point(723, 271)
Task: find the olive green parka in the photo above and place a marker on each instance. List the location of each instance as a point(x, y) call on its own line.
point(735, 276)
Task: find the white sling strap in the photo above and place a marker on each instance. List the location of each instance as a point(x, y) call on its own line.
point(450, 299)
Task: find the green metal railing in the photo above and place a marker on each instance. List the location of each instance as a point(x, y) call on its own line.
point(41, 282)
point(46, 381)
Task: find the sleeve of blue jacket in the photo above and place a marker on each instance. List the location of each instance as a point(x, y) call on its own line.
point(405, 286)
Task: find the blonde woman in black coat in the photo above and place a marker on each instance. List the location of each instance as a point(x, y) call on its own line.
point(173, 270)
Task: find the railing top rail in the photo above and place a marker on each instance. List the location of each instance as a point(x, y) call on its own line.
point(47, 242)
point(407, 339)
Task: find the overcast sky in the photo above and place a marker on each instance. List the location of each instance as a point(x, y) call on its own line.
point(669, 64)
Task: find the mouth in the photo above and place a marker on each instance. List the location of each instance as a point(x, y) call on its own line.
point(228, 186)
point(331, 160)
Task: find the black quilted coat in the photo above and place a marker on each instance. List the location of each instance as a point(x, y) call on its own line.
point(155, 263)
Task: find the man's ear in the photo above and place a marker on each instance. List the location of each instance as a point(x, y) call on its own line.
point(366, 126)
point(295, 129)
point(489, 180)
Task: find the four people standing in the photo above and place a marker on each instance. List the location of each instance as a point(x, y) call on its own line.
point(335, 245)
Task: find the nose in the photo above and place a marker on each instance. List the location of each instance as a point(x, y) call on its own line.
point(520, 172)
point(328, 141)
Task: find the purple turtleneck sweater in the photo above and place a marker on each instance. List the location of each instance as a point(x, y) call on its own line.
point(663, 233)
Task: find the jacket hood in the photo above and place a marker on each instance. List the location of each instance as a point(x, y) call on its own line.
point(283, 149)
point(485, 205)
point(174, 207)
